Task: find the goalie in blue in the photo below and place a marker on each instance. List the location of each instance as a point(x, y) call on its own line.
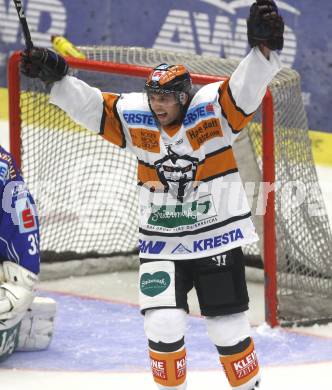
point(26, 322)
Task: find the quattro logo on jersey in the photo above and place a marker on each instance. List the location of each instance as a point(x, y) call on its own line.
point(154, 284)
point(217, 241)
point(153, 247)
point(203, 132)
point(182, 214)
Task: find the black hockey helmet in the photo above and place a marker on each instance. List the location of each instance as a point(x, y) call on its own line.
point(168, 79)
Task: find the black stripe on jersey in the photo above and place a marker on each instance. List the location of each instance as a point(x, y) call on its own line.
point(116, 114)
point(229, 172)
point(197, 231)
point(234, 102)
point(221, 150)
point(102, 122)
point(230, 126)
point(146, 164)
point(235, 106)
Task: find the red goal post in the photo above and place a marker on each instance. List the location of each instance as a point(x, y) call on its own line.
point(268, 155)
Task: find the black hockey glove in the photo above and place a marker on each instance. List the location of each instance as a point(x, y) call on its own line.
point(43, 64)
point(265, 25)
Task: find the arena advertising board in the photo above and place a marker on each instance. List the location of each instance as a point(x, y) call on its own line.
point(209, 27)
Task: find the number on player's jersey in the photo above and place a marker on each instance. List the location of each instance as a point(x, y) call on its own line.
point(33, 239)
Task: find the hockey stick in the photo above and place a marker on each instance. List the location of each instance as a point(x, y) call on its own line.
point(24, 24)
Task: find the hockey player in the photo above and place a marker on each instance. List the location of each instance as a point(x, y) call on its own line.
point(26, 322)
point(191, 225)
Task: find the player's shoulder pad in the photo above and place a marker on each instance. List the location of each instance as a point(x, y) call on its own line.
point(208, 92)
point(8, 169)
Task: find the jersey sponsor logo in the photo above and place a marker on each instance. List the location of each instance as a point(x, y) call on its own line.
point(204, 131)
point(182, 214)
point(223, 34)
point(200, 111)
point(139, 118)
point(3, 172)
point(153, 247)
point(26, 215)
point(8, 159)
point(217, 241)
point(146, 139)
point(245, 366)
point(180, 249)
point(154, 284)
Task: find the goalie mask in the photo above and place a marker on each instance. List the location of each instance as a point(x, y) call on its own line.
point(169, 79)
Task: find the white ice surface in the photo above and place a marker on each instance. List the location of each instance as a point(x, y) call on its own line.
point(302, 377)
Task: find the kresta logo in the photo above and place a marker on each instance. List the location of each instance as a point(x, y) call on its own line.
point(154, 284)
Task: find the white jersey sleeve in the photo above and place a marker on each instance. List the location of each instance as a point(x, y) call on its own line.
point(241, 96)
point(250, 79)
point(83, 103)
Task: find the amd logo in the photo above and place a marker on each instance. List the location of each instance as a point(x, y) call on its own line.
point(226, 37)
point(10, 32)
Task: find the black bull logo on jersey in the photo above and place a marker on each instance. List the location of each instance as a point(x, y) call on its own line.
point(177, 173)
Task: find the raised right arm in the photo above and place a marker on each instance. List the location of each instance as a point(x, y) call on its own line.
point(86, 105)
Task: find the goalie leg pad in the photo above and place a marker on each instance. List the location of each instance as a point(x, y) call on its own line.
point(8, 340)
point(16, 292)
point(241, 365)
point(37, 325)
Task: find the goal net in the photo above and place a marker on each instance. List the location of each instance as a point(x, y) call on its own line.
point(85, 187)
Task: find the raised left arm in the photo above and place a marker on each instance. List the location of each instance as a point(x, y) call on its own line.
point(243, 93)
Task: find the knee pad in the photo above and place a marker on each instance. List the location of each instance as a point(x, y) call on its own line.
point(228, 330)
point(165, 325)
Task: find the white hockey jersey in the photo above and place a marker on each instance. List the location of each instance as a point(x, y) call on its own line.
point(192, 202)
